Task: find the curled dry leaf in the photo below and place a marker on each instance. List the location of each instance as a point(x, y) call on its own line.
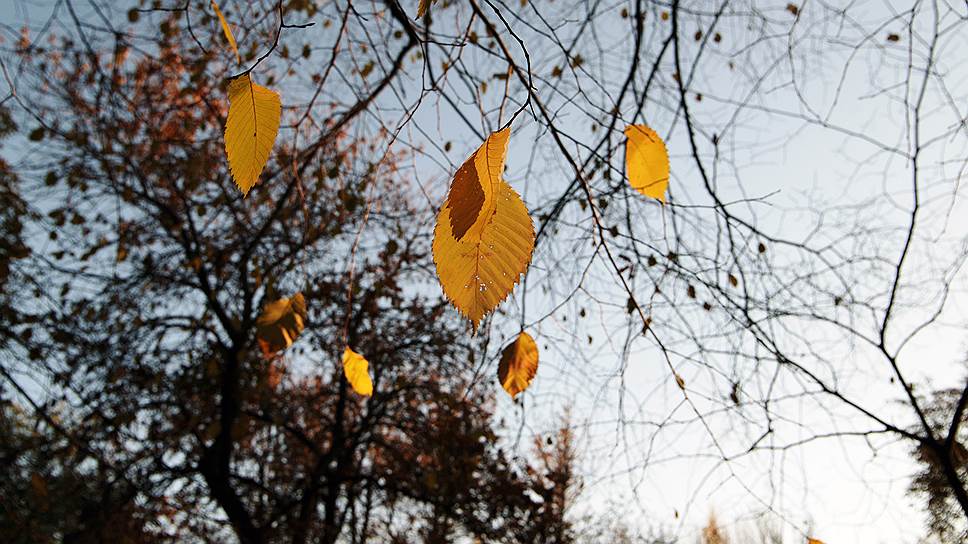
point(227, 31)
point(280, 323)
point(646, 161)
point(484, 236)
point(519, 364)
point(250, 132)
point(356, 370)
point(680, 382)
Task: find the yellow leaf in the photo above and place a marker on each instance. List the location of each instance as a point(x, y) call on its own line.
point(519, 364)
point(356, 370)
point(814, 541)
point(646, 161)
point(484, 236)
point(422, 7)
point(250, 132)
point(280, 324)
point(227, 31)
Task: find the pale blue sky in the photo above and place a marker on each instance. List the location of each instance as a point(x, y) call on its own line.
point(842, 488)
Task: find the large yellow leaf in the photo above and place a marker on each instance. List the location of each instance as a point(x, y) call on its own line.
point(519, 363)
point(646, 161)
point(227, 31)
point(280, 323)
point(356, 370)
point(484, 236)
point(254, 114)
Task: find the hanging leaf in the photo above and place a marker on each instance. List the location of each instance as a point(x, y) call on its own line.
point(422, 7)
point(484, 236)
point(646, 161)
point(280, 324)
point(250, 132)
point(519, 364)
point(227, 31)
point(356, 370)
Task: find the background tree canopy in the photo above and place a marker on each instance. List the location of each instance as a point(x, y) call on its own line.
point(777, 336)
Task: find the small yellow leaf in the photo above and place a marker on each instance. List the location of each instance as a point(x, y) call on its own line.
point(250, 132)
point(519, 364)
point(227, 31)
point(422, 7)
point(356, 370)
point(484, 236)
point(646, 161)
point(814, 541)
point(280, 324)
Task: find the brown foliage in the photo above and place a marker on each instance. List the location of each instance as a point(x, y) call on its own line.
point(171, 424)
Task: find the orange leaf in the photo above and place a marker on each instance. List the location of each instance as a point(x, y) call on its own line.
point(466, 199)
point(422, 7)
point(646, 161)
point(484, 236)
point(251, 129)
point(280, 323)
point(519, 364)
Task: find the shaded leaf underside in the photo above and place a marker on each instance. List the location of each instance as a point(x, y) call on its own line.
point(519, 364)
point(280, 323)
